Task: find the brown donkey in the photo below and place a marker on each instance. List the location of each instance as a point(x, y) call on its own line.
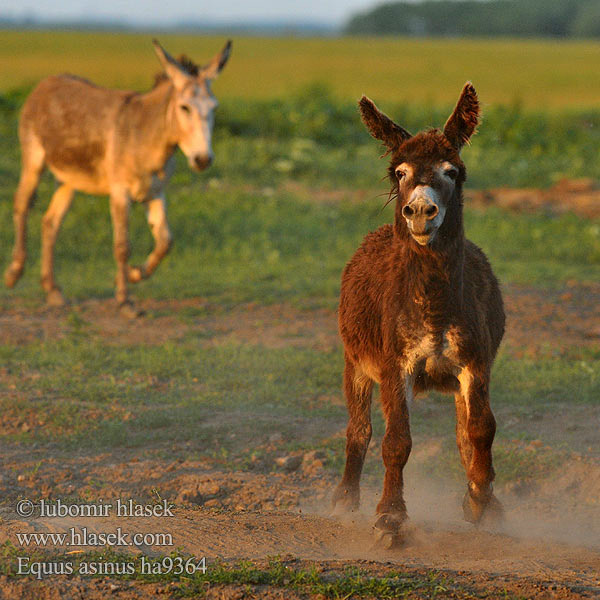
point(420, 309)
point(120, 143)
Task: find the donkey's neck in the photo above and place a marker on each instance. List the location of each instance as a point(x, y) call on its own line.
point(158, 130)
point(433, 279)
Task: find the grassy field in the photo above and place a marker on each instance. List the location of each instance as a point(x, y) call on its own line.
point(235, 246)
point(537, 74)
point(245, 233)
point(294, 189)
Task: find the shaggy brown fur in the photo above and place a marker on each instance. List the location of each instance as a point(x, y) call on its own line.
point(420, 309)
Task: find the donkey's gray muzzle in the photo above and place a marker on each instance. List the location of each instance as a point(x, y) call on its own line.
point(423, 214)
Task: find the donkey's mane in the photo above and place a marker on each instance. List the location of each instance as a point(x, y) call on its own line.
point(186, 63)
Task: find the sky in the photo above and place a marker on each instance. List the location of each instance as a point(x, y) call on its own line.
point(333, 12)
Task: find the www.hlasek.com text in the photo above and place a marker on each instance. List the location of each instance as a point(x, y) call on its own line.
point(84, 537)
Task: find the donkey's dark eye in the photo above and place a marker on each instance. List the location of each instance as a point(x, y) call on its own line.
point(185, 108)
point(400, 175)
point(452, 174)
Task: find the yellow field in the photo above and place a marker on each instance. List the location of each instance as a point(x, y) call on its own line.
point(540, 74)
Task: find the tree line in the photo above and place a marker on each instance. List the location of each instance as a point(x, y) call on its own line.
point(523, 18)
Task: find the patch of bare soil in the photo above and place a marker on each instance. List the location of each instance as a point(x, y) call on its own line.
point(552, 319)
point(536, 319)
point(579, 196)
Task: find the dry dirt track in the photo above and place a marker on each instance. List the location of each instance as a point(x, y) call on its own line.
point(568, 316)
point(549, 547)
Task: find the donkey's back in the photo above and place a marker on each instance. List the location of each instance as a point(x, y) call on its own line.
point(67, 122)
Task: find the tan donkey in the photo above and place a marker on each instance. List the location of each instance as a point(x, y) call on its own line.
point(115, 142)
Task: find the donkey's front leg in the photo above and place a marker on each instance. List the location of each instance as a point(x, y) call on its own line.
point(397, 443)
point(156, 213)
point(119, 212)
point(475, 430)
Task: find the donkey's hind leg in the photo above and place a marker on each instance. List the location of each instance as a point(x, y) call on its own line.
point(59, 205)
point(475, 430)
point(156, 213)
point(465, 448)
point(31, 171)
point(357, 389)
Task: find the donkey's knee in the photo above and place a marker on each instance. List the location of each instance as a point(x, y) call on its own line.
point(49, 230)
point(121, 252)
point(482, 429)
point(358, 436)
point(395, 450)
point(166, 243)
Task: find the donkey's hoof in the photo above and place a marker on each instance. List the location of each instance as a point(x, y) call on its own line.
point(135, 274)
point(472, 510)
point(389, 531)
point(128, 310)
point(494, 512)
point(12, 275)
point(489, 510)
point(55, 298)
point(344, 502)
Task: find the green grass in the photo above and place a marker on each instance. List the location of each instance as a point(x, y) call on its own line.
point(234, 246)
point(135, 395)
point(537, 73)
point(310, 137)
point(97, 395)
point(313, 137)
point(548, 381)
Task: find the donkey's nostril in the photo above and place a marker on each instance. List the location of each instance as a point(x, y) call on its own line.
point(431, 211)
point(202, 162)
point(408, 212)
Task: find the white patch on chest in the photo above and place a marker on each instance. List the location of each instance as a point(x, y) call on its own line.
point(437, 357)
point(366, 371)
point(424, 349)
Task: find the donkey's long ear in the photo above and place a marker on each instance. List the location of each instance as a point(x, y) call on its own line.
point(381, 126)
point(215, 66)
point(462, 123)
point(172, 68)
